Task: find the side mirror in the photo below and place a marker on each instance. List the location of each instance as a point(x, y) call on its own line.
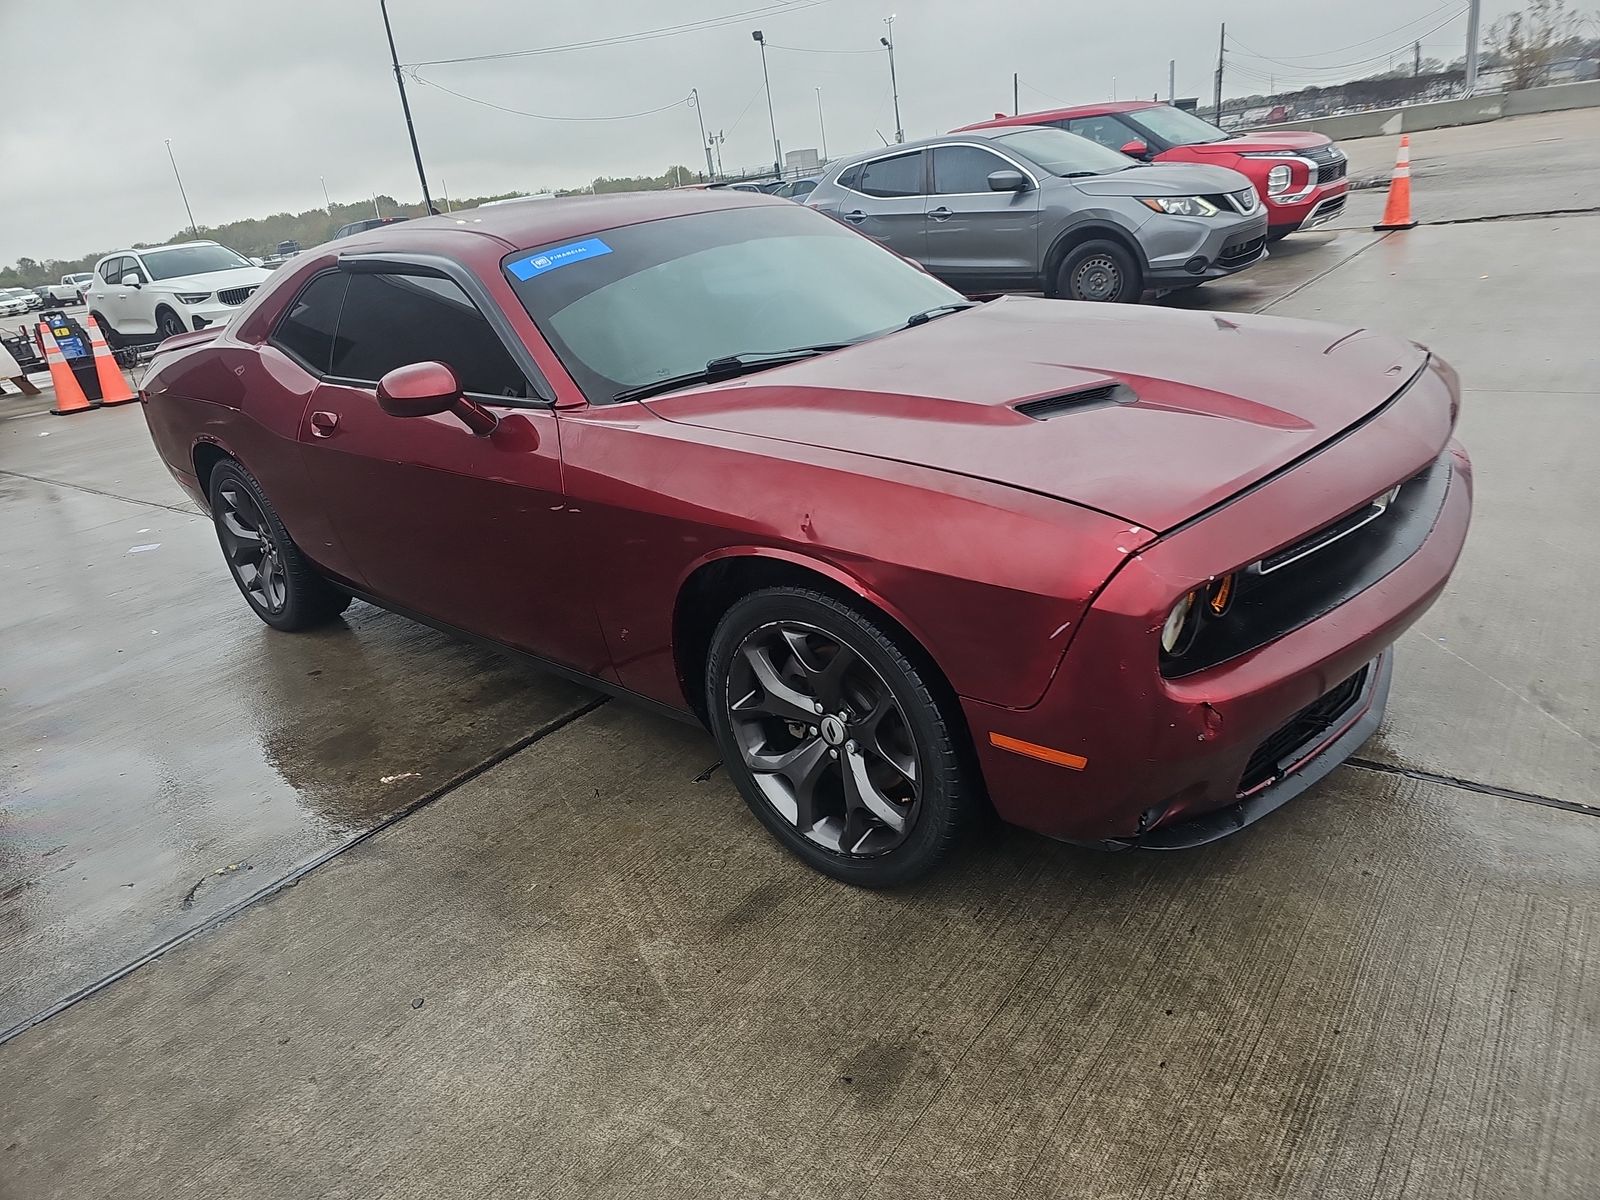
point(131, 279)
point(427, 389)
point(1007, 181)
point(1136, 149)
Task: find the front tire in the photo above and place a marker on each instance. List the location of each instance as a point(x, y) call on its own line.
point(837, 739)
point(169, 324)
point(281, 587)
point(1101, 271)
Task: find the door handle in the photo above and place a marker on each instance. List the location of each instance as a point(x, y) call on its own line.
point(855, 216)
point(324, 424)
point(940, 214)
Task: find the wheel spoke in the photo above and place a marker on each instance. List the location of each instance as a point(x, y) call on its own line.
point(802, 766)
point(239, 541)
point(861, 792)
point(777, 698)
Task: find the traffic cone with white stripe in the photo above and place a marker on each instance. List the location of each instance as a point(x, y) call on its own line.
point(1397, 212)
point(114, 388)
point(69, 396)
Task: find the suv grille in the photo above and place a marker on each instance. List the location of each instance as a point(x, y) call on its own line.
point(235, 295)
point(1241, 253)
point(1277, 756)
point(1329, 171)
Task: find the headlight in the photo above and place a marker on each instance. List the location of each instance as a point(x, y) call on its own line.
point(1177, 623)
point(192, 297)
point(1180, 206)
point(1278, 179)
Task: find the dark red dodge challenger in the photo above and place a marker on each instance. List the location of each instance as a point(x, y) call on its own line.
point(1130, 576)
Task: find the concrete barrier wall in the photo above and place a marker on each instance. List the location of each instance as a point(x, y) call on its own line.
point(1554, 99)
point(1381, 122)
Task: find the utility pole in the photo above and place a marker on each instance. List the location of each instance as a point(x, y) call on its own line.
point(888, 44)
point(1172, 79)
point(1416, 59)
point(444, 189)
point(193, 228)
point(1471, 82)
point(399, 82)
point(1016, 105)
point(1222, 49)
point(777, 154)
point(325, 199)
point(1113, 87)
point(822, 126)
point(718, 139)
point(694, 101)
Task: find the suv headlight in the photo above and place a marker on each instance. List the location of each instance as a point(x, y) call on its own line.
point(1180, 206)
point(192, 297)
point(1278, 179)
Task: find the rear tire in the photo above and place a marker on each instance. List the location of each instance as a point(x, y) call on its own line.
point(1101, 271)
point(113, 338)
point(280, 586)
point(837, 740)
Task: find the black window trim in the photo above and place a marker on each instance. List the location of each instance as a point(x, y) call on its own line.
point(321, 373)
point(897, 152)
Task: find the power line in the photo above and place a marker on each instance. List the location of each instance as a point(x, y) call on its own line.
point(1290, 58)
point(643, 35)
point(808, 50)
point(1335, 67)
point(517, 112)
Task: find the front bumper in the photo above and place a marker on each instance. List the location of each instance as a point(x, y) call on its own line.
point(1308, 209)
point(1165, 760)
point(208, 313)
point(1193, 249)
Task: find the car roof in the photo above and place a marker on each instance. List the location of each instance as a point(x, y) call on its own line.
point(151, 250)
point(1062, 114)
point(523, 225)
point(955, 135)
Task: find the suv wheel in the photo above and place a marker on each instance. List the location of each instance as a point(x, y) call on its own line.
point(1099, 270)
point(835, 739)
point(169, 324)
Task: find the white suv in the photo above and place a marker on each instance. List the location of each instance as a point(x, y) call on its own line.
point(161, 291)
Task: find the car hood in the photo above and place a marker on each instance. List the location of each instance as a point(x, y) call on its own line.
point(1265, 142)
point(1213, 402)
point(213, 281)
point(1164, 179)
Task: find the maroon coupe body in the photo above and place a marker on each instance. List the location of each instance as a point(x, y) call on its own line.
point(1017, 493)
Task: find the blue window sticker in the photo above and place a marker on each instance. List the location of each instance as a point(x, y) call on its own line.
point(530, 265)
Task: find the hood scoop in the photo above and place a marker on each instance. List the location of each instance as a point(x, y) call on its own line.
point(1079, 401)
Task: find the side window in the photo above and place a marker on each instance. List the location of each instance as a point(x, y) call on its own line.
point(899, 176)
point(961, 169)
point(137, 267)
point(111, 270)
point(851, 178)
point(1108, 131)
point(307, 330)
point(393, 320)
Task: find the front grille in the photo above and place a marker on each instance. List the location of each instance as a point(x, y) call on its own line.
point(1278, 755)
point(235, 295)
point(1329, 171)
point(1329, 533)
point(1241, 253)
point(1329, 209)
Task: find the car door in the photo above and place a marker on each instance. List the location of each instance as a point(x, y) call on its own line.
point(108, 294)
point(979, 239)
point(887, 201)
point(450, 525)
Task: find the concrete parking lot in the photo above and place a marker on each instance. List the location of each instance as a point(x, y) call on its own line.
point(535, 944)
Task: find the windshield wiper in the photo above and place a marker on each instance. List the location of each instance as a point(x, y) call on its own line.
point(938, 310)
point(729, 366)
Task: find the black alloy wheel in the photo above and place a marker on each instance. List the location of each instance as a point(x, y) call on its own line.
point(1099, 271)
point(834, 738)
point(282, 588)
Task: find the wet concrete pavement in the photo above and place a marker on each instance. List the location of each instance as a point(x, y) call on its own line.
point(582, 972)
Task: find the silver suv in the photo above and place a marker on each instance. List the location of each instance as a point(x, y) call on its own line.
point(1030, 209)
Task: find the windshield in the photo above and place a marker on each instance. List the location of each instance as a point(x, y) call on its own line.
point(190, 260)
point(1174, 126)
point(79, 278)
point(1063, 153)
point(632, 306)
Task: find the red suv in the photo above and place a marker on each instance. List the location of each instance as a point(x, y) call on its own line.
point(1300, 176)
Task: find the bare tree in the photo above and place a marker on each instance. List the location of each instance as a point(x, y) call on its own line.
point(1527, 42)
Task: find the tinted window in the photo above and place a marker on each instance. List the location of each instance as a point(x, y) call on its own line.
point(1108, 131)
point(803, 187)
point(391, 321)
point(851, 178)
point(306, 330)
point(901, 176)
point(111, 269)
point(1063, 153)
point(959, 169)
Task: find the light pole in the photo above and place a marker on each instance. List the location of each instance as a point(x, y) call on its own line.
point(718, 140)
point(326, 202)
point(822, 126)
point(777, 154)
point(193, 228)
point(888, 44)
point(1470, 84)
point(694, 100)
point(399, 82)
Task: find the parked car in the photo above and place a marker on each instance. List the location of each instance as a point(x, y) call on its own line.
point(71, 288)
point(1129, 575)
point(30, 298)
point(14, 302)
point(288, 249)
point(794, 189)
point(159, 292)
point(1041, 210)
point(356, 227)
point(1300, 177)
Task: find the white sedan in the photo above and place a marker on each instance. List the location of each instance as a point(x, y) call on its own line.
point(162, 291)
point(12, 303)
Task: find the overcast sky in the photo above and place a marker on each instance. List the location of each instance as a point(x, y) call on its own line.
point(261, 99)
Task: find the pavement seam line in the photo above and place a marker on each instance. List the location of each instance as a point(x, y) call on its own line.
point(78, 487)
point(306, 868)
point(1321, 275)
point(1472, 785)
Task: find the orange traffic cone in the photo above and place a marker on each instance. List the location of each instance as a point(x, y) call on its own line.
point(114, 388)
point(69, 396)
point(1397, 212)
